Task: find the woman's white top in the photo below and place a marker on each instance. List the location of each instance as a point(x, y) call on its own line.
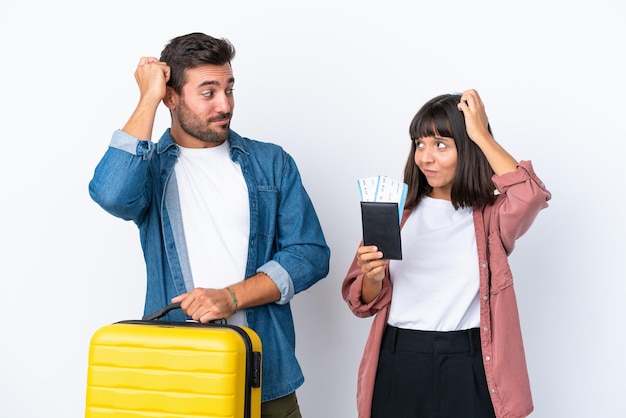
point(435, 285)
point(216, 217)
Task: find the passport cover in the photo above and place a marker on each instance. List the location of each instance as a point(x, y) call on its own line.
point(381, 227)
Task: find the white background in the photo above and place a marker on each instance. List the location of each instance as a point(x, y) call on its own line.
point(336, 83)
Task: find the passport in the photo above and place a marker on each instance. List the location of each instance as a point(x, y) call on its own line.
point(382, 202)
point(381, 227)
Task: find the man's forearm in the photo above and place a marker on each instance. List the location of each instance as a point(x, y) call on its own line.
point(141, 122)
point(256, 290)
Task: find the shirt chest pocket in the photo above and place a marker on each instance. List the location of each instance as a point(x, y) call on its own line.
point(267, 209)
point(500, 271)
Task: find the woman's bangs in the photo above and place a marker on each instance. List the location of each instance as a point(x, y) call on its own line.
point(435, 123)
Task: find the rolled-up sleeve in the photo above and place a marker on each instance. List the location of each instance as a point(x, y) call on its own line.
point(119, 183)
point(125, 142)
point(281, 279)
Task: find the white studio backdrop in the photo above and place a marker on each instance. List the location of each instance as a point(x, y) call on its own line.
point(336, 83)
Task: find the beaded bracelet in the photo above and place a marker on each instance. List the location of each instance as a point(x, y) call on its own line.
point(233, 297)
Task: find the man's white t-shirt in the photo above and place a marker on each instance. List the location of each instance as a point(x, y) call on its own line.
point(216, 217)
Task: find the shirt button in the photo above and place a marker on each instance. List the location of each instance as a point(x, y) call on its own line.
point(483, 265)
point(485, 297)
point(485, 329)
point(492, 390)
point(487, 358)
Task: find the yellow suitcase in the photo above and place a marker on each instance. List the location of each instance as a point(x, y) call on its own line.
point(151, 368)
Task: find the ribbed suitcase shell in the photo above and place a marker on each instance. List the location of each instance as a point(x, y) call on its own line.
point(172, 370)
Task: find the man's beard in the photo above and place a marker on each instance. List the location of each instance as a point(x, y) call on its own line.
point(194, 126)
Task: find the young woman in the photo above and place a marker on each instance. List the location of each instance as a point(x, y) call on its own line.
point(446, 340)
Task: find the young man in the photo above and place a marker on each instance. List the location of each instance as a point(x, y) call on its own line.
point(226, 226)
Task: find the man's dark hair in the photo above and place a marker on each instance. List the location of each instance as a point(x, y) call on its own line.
point(192, 50)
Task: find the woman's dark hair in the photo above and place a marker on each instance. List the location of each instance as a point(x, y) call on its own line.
point(472, 186)
point(193, 50)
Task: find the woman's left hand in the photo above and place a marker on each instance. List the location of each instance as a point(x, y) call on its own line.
point(476, 121)
point(477, 126)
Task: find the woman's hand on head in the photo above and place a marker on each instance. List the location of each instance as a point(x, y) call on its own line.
point(476, 121)
point(477, 126)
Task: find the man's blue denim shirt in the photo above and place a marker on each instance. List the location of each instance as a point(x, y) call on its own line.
point(135, 180)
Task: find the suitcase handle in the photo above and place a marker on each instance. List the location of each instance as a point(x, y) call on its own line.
point(161, 312)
